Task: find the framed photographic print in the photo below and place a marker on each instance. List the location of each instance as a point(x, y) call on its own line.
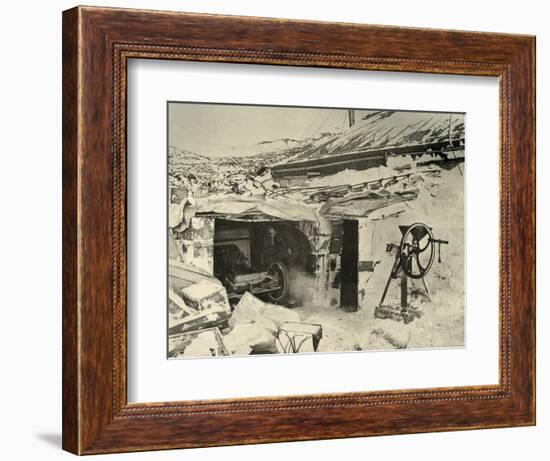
point(284, 230)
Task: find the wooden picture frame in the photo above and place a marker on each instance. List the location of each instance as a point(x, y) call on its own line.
point(97, 44)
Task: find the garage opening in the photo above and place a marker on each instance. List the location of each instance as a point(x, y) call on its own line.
point(263, 258)
point(349, 262)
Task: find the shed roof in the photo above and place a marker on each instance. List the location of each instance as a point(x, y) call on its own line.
point(385, 131)
point(256, 208)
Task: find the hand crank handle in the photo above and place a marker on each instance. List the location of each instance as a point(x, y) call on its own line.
point(439, 243)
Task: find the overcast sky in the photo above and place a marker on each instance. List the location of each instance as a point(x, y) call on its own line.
point(212, 129)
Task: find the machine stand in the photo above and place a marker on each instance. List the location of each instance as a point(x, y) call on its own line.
point(413, 259)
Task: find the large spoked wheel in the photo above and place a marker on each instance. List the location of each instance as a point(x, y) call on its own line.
point(417, 251)
point(280, 275)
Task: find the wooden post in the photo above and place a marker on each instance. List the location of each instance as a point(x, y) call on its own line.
point(351, 117)
point(404, 279)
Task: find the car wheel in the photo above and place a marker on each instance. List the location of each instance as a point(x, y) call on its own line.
point(280, 273)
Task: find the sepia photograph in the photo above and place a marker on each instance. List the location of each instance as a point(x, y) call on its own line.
point(313, 229)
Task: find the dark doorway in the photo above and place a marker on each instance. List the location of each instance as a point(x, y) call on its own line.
point(350, 257)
